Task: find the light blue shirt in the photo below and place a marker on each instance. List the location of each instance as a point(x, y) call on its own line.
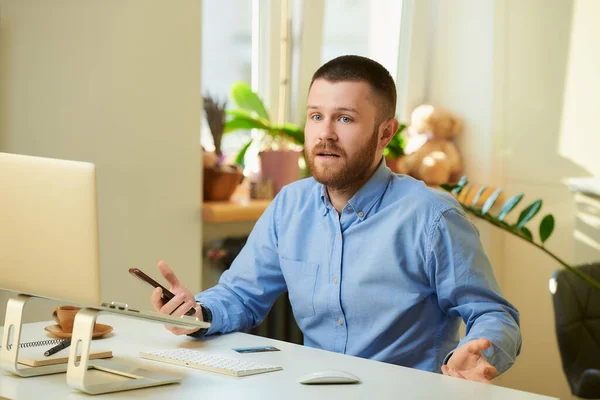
point(388, 279)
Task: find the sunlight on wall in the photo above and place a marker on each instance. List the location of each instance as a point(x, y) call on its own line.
point(587, 228)
point(589, 219)
point(587, 240)
point(580, 135)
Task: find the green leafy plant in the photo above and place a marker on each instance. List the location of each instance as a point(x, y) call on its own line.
point(252, 114)
point(395, 148)
point(518, 228)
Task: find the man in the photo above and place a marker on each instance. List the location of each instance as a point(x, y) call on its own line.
point(376, 265)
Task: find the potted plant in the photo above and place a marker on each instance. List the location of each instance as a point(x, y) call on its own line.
point(281, 144)
point(220, 180)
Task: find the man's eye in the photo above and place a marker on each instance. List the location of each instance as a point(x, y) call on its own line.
point(317, 117)
point(345, 119)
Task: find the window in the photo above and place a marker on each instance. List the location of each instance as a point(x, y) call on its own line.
point(319, 31)
point(360, 27)
point(226, 58)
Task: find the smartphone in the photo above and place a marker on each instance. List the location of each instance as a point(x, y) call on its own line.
point(166, 294)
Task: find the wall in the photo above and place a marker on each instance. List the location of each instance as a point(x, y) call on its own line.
point(461, 77)
point(579, 139)
point(536, 54)
point(524, 76)
point(116, 83)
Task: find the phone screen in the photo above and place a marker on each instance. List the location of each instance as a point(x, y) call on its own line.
point(166, 294)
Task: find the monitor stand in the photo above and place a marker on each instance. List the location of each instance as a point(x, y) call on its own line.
point(12, 328)
point(80, 378)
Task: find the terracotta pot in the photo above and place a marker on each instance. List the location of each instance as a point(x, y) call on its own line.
point(220, 183)
point(280, 167)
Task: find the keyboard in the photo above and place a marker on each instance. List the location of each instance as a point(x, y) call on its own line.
point(209, 362)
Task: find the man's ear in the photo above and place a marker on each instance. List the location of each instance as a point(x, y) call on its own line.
point(387, 130)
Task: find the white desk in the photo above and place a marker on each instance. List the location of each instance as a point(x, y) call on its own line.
point(379, 380)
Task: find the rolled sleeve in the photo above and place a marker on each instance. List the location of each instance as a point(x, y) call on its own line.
point(247, 290)
point(466, 287)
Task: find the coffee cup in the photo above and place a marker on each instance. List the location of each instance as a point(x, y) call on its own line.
point(65, 317)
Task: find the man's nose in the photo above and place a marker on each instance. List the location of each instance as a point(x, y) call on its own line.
point(327, 132)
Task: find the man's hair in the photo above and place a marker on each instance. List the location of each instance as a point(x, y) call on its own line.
point(363, 69)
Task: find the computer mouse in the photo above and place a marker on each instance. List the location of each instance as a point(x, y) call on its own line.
point(324, 377)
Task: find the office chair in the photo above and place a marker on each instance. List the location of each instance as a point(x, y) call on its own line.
point(577, 319)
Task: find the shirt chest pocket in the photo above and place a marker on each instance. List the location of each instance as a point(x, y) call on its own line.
point(301, 279)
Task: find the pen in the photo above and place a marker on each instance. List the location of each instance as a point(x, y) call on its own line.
point(62, 345)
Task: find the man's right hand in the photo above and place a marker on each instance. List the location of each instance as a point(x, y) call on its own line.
point(178, 305)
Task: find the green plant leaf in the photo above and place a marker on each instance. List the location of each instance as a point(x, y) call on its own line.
point(242, 114)
point(241, 124)
point(242, 119)
point(447, 187)
point(546, 227)
point(478, 195)
point(509, 205)
point(529, 212)
point(246, 115)
point(243, 96)
point(490, 201)
point(469, 187)
point(526, 233)
point(504, 224)
point(292, 131)
point(460, 185)
point(239, 158)
point(466, 193)
point(395, 148)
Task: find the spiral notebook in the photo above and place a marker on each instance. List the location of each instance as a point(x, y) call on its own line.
point(32, 353)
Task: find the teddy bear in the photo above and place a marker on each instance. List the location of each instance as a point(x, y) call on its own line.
point(430, 152)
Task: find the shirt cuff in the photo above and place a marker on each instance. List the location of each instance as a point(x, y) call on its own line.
point(217, 312)
point(206, 317)
point(198, 334)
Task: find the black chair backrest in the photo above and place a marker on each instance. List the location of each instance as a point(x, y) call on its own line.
point(577, 319)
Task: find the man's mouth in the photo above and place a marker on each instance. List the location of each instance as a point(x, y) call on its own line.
point(327, 154)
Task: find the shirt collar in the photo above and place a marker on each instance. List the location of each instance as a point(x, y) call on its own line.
point(367, 195)
point(325, 199)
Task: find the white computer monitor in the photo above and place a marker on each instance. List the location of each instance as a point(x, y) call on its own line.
point(49, 248)
point(49, 235)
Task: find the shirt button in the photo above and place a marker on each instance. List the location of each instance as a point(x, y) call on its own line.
point(361, 214)
point(340, 322)
point(349, 208)
point(335, 280)
point(339, 235)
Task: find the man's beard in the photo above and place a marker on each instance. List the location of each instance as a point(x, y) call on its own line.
point(349, 172)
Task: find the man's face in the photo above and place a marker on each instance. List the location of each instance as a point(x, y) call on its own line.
point(341, 137)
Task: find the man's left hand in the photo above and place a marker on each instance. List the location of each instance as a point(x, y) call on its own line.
point(467, 362)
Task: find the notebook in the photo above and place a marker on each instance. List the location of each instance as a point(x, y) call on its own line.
point(32, 353)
